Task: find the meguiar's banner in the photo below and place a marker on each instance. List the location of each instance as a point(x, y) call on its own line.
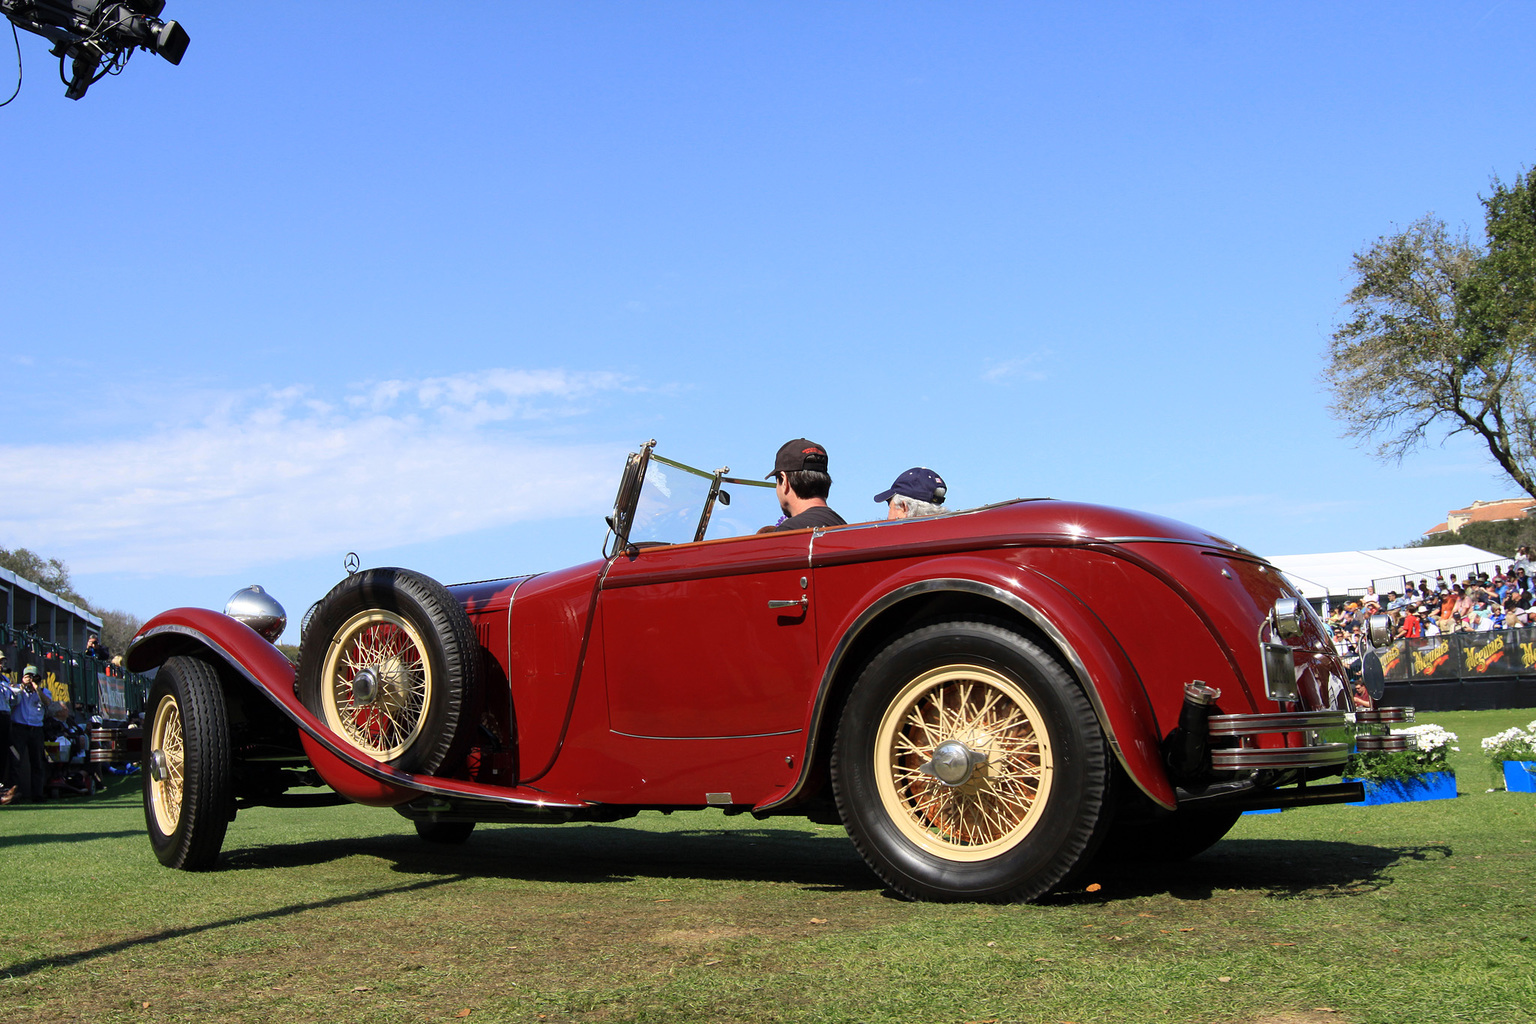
point(1522, 650)
point(1485, 654)
point(1394, 659)
point(53, 668)
point(1429, 657)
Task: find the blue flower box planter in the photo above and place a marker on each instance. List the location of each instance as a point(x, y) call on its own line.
point(1433, 786)
point(1520, 776)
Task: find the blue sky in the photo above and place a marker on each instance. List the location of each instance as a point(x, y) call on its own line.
point(411, 280)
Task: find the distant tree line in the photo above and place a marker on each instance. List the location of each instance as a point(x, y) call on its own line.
point(117, 627)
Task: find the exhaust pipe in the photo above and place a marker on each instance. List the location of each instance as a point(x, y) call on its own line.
point(1187, 749)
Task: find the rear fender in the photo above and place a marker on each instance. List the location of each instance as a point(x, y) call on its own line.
point(1082, 641)
point(352, 774)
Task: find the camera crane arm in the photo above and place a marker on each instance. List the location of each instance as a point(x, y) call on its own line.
point(97, 36)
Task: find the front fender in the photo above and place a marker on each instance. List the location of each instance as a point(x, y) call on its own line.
point(352, 774)
point(171, 632)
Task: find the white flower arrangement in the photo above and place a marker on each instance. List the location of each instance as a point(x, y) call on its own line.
point(1430, 739)
point(1514, 744)
point(1426, 754)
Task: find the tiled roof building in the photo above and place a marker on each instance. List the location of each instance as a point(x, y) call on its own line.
point(1483, 512)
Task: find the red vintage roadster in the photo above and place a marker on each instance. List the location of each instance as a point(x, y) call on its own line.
point(986, 699)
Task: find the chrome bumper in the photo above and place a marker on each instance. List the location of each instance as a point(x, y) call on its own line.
point(1329, 736)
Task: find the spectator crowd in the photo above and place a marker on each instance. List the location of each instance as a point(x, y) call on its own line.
point(1503, 599)
point(47, 740)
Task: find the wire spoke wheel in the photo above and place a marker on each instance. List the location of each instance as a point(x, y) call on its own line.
point(987, 714)
point(391, 664)
point(168, 739)
point(188, 784)
point(379, 684)
point(968, 765)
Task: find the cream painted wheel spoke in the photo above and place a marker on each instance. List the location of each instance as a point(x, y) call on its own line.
point(997, 806)
point(378, 686)
point(165, 793)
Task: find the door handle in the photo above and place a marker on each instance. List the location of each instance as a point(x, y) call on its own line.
point(804, 602)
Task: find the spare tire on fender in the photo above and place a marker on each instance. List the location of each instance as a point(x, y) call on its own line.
point(390, 663)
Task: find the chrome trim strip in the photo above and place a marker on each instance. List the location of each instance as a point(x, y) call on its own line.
point(1239, 758)
point(869, 614)
point(511, 703)
point(748, 736)
point(684, 467)
point(377, 772)
point(1224, 548)
point(1244, 725)
point(578, 676)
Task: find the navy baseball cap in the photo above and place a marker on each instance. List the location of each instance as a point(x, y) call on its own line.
point(798, 455)
point(917, 482)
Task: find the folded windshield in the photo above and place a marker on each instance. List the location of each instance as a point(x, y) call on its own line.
point(681, 503)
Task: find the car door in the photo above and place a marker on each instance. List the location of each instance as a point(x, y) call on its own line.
point(712, 639)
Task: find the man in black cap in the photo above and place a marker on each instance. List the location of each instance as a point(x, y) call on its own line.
point(917, 492)
point(802, 484)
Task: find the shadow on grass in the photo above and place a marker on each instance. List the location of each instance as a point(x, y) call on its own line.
point(64, 837)
point(596, 854)
point(585, 854)
point(27, 967)
point(1278, 869)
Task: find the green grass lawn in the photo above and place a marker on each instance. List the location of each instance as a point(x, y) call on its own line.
point(1403, 913)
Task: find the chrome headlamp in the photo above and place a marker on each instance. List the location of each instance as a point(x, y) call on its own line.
point(259, 610)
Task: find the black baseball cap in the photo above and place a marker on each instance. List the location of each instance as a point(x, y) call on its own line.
point(798, 455)
point(917, 482)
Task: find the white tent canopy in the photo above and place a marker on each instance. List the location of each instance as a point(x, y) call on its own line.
point(1350, 572)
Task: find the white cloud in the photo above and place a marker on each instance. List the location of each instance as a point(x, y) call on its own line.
point(1022, 368)
point(287, 474)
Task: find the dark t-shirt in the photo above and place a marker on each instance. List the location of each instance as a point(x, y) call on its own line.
point(816, 515)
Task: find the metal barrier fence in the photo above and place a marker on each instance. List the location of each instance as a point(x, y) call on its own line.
point(1399, 583)
point(74, 678)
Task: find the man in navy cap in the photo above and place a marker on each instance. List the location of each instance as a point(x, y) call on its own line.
point(802, 484)
point(917, 492)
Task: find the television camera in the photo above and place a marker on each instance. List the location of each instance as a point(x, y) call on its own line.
point(97, 36)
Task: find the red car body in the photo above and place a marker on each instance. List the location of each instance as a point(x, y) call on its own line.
point(718, 672)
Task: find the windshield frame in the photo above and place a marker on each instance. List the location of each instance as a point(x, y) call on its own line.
point(637, 466)
point(715, 479)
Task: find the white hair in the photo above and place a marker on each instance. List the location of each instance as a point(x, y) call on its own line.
point(915, 507)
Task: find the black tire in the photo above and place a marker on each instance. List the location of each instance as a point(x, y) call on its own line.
point(1009, 828)
point(448, 833)
point(189, 795)
point(1167, 840)
point(391, 663)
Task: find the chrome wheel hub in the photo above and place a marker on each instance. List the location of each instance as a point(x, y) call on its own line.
point(953, 763)
point(157, 766)
point(365, 687)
